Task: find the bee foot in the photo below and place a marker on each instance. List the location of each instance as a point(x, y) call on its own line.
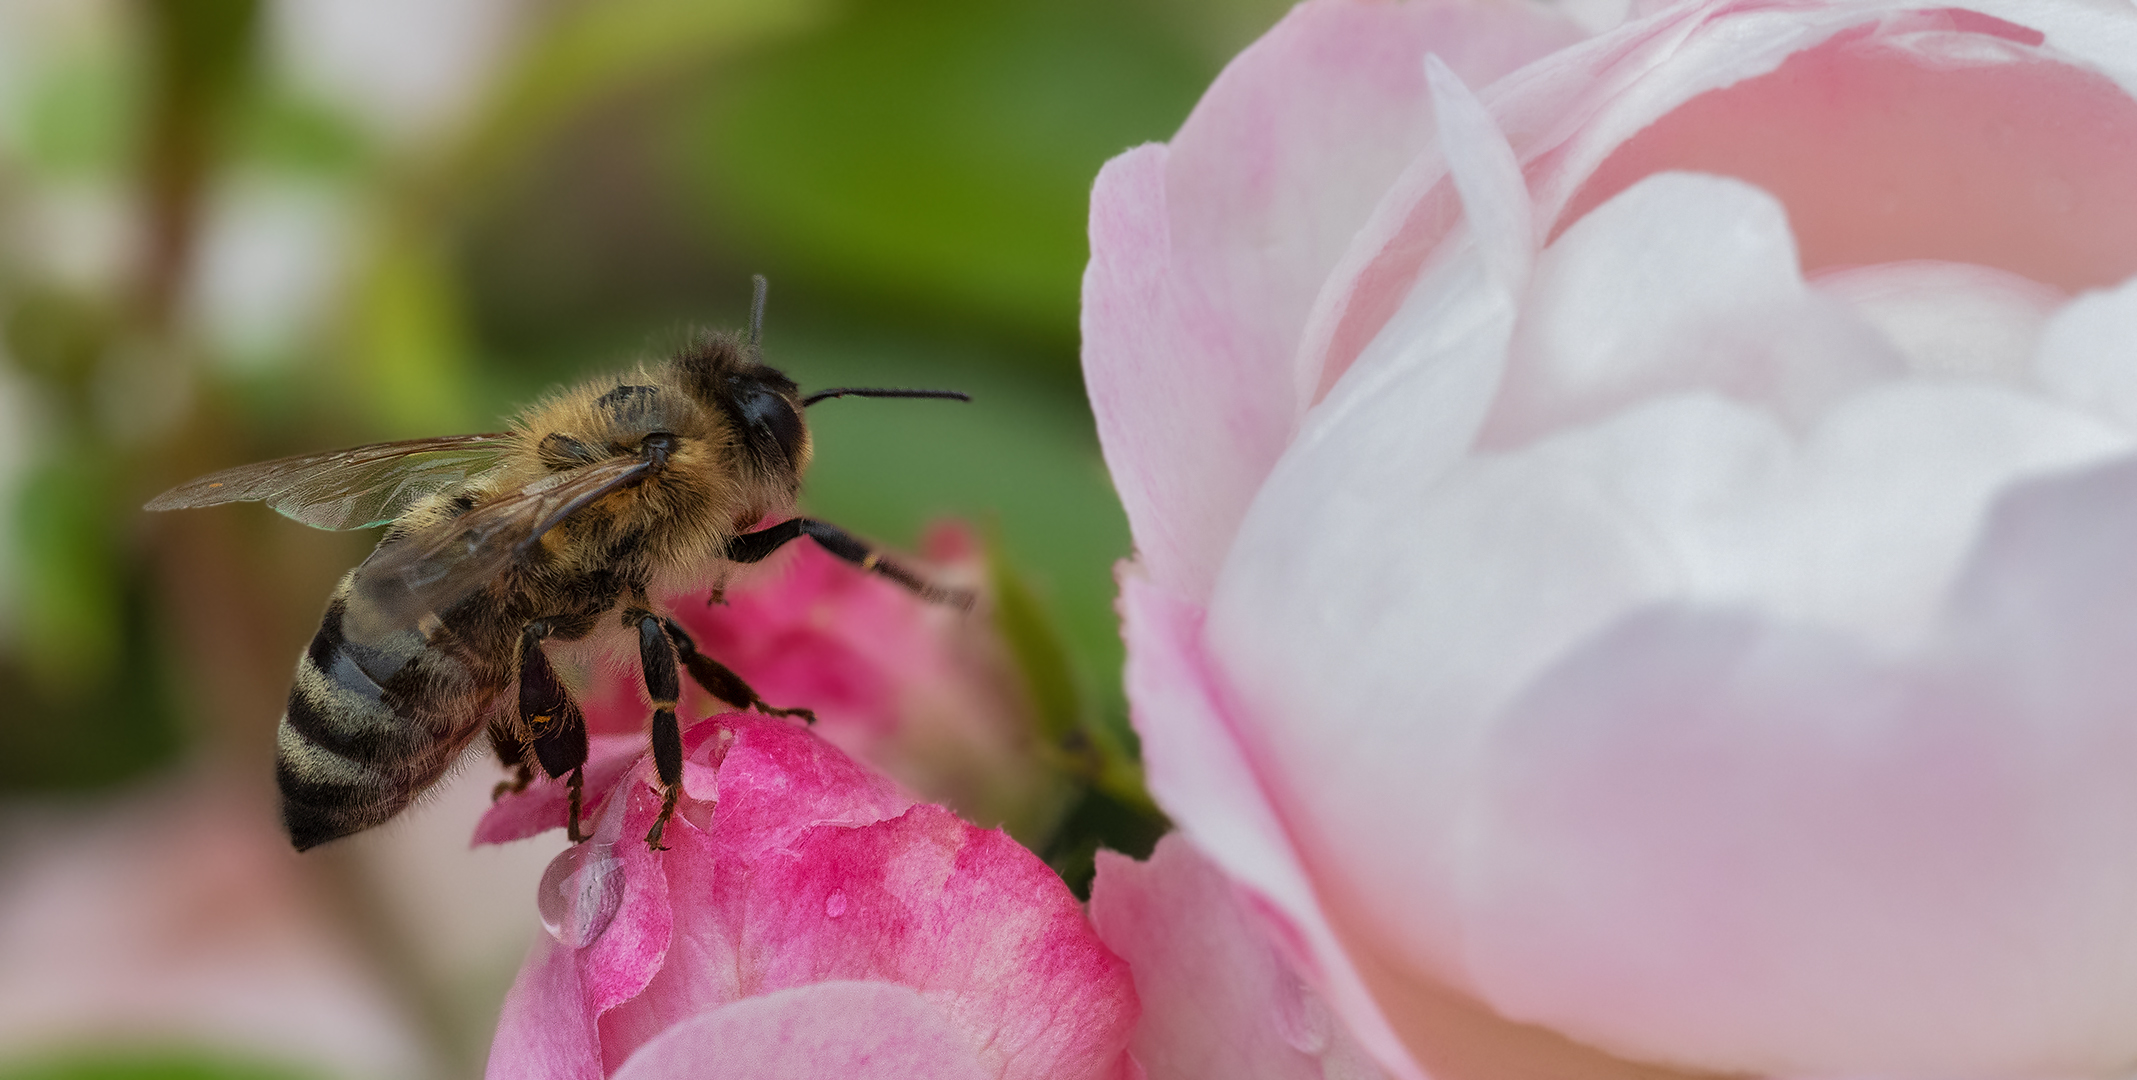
point(660, 823)
point(518, 782)
point(808, 715)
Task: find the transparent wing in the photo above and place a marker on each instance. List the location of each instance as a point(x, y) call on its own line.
point(345, 489)
point(417, 578)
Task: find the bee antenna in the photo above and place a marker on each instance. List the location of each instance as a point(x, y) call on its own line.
point(865, 391)
point(756, 314)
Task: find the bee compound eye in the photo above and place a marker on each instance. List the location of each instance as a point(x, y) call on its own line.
point(773, 421)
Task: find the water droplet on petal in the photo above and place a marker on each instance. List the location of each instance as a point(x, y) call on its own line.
point(580, 892)
point(835, 904)
point(1302, 1018)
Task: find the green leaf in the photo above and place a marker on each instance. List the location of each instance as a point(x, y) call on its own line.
point(1049, 676)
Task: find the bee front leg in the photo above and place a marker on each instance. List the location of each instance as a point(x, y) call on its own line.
point(755, 546)
point(656, 655)
point(720, 681)
point(552, 720)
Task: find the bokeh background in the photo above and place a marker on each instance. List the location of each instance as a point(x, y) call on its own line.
point(236, 229)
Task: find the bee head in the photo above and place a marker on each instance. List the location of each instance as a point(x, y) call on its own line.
point(760, 404)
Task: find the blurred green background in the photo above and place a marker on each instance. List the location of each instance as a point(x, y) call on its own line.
point(232, 230)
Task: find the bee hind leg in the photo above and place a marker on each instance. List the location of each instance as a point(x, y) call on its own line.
point(555, 728)
point(513, 753)
point(720, 681)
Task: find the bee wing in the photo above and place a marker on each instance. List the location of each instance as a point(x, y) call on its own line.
point(406, 582)
point(345, 489)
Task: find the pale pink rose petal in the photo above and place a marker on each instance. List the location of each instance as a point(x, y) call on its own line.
point(1796, 855)
point(1950, 318)
point(1207, 254)
point(1487, 176)
point(824, 1031)
point(545, 1029)
point(1219, 996)
point(1686, 628)
point(1717, 88)
point(1486, 573)
point(1685, 282)
point(1197, 769)
point(1901, 106)
point(2088, 354)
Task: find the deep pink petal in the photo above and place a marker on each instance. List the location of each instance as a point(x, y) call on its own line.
point(774, 781)
point(826, 1031)
point(1219, 996)
point(777, 778)
point(618, 964)
point(965, 915)
point(795, 877)
point(787, 864)
point(969, 917)
point(1208, 255)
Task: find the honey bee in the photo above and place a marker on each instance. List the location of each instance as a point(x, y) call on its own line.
point(598, 500)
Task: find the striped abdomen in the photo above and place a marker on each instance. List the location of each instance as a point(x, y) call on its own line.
point(370, 725)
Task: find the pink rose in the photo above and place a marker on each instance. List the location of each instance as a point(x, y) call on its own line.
point(1637, 539)
point(807, 920)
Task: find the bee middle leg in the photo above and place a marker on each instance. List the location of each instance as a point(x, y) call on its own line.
point(656, 656)
point(556, 727)
point(719, 680)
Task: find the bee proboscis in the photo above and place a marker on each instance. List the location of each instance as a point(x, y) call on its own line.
point(599, 500)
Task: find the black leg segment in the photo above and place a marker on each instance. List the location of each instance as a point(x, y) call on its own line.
point(656, 656)
point(753, 547)
point(555, 728)
point(719, 680)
